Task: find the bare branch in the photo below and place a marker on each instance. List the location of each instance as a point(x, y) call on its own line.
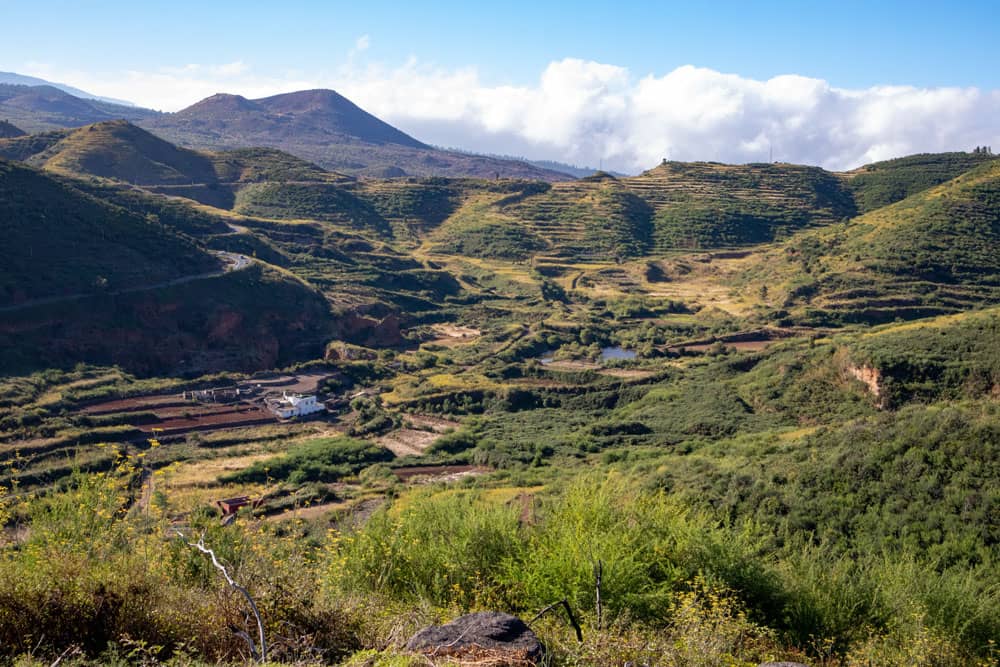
point(569, 613)
point(200, 546)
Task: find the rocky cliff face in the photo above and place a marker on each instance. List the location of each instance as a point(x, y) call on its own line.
point(370, 331)
point(871, 377)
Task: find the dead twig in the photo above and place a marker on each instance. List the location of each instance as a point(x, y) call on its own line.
point(200, 546)
point(598, 572)
point(569, 613)
point(71, 651)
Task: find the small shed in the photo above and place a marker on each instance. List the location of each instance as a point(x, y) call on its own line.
point(230, 506)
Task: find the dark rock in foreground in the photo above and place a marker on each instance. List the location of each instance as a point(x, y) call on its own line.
point(502, 638)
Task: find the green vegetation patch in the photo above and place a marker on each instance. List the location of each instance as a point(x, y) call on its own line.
point(320, 460)
point(491, 240)
point(59, 241)
point(883, 183)
point(311, 201)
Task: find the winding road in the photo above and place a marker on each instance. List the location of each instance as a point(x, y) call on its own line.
point(234, 262)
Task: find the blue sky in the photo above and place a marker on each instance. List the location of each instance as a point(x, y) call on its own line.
point(583, 82)
point(848, 43)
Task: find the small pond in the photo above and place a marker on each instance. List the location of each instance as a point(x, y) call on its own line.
point(609, 353)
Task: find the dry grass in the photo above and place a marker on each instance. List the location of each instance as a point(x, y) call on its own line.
point(407, 441)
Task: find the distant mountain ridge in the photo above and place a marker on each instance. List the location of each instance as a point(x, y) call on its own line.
point(43, 108)
point(326, 128)
point(285, 116)
point(321, 126)
point(23, 80)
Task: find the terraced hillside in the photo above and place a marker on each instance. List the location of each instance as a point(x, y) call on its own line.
point(932, 253)
point(883, 183)
point(706, 205)
point(596, 217)
point(675, 206)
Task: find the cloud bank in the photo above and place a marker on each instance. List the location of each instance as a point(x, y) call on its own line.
point(585, 112)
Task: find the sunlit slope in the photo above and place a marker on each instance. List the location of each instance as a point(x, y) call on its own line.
point(883, 183)
point(675, 206)
point(933, 253)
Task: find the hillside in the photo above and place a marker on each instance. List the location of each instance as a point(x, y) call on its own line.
point(675, 206)
point(326, 128)
point(932, 253)
point(9, 130)
point(59, 241)
point(42, 108)
point(883, 183)
point(248, 320)
point(122, 151)
point(691, 381)
point(12, 78)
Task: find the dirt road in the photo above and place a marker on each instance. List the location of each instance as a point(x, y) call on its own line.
point(234, 262)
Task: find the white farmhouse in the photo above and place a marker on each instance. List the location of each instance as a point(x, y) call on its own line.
point(295, 405)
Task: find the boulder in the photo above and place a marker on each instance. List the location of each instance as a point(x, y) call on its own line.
point(500, 638)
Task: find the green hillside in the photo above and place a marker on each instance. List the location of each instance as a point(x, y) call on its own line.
point(325, 202)
point(585, 219)
point(883, 183)
point(676, 206)
point(121, 151)
point(932, 253)
point(59, 241)
point(706, 205)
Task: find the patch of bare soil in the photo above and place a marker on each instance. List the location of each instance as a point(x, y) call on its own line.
point(407, 441)
point(135, 404)
point(436, 424)
point(239, 415)
point(455, 331)
point(627, 373)
point(434, 474)
point(450, 335)
point(308, 512)
point(571, 365)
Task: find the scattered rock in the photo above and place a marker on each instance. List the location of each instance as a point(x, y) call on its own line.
point(490, 637)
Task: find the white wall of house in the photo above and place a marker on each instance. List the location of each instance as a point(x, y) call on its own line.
point(297, 406)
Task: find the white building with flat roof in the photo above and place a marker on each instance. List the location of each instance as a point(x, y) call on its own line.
point(295, 405)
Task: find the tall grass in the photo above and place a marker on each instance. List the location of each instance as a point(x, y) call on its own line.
point(678, 586)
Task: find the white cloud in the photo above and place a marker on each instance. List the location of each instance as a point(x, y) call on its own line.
point(584, 112)
point(362, 43)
